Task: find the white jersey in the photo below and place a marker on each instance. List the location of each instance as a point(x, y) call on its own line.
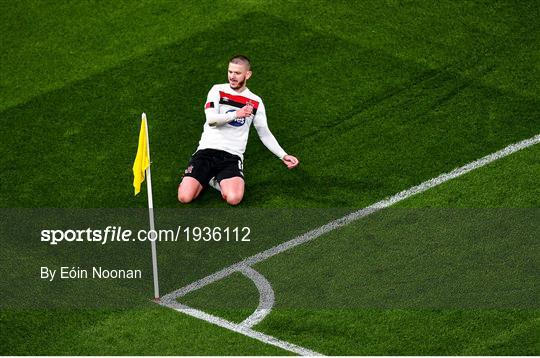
point(232, 137)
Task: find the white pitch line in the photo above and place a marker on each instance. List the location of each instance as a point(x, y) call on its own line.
point(246, 331)
point(313, 234)
point(266, 297)
point(169, 300)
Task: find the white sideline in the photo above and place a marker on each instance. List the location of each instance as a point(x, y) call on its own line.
point(313, 234)
point(246, 331)
point(170, 300)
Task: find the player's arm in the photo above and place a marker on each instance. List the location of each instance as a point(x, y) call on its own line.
point(211, 111)
point(261, 125)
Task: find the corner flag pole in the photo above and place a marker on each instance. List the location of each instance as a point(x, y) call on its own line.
point(151, 214)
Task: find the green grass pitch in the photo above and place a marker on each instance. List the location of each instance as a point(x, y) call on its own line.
point(373, 98)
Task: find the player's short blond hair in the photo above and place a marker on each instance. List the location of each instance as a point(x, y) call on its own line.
point(241, 60)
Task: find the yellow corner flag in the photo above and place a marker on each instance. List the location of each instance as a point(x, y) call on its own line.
point(142, 160)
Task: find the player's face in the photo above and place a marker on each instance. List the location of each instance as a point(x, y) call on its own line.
point(238, 75)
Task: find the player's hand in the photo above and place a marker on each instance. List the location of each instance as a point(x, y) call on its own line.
point(290, 161)
point(245, 111)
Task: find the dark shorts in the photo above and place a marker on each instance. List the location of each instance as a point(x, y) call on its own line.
point(208, 163)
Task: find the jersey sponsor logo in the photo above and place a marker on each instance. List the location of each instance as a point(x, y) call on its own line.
point(238, 122)
point(209, 105)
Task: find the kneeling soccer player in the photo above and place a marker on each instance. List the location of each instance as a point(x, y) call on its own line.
point(230, 109)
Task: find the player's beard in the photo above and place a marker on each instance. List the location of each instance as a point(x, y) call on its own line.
point(239, 84)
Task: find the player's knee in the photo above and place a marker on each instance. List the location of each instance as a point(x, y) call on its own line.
point(183, 196)
point(185, 199)
point(233, 198)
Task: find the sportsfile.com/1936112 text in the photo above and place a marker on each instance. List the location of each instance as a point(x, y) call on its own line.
point(120, 234)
